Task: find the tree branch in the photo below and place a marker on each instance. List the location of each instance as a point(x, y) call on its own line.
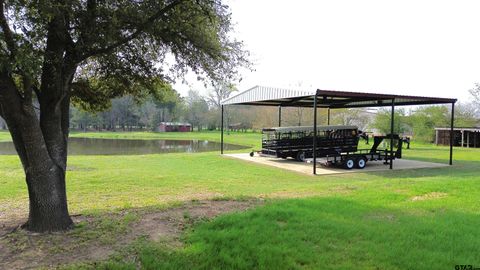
point(136, 33)
point(37, 91)
point(27, 90)
point(23, 124)
point(89, 25)
point(7, 32)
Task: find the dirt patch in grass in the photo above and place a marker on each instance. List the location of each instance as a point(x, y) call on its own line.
point(11, 215)
point(97, 237)
point(343, 189)
point(381, 216)
point(429, 196)
point(291, 194)
point(72, 168)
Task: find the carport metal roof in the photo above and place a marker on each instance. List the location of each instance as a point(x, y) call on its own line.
point(471, 129)
point(269, 96)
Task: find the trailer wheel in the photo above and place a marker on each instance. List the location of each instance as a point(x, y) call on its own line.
point(349, 163)
point(361, 162)
point(300, 156)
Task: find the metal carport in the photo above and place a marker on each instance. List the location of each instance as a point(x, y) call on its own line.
point(330, 99)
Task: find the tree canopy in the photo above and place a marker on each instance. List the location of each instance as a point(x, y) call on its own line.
point(117, 47)
point(475, 92)
point(88, 52)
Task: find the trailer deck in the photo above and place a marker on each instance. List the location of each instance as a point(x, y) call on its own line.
point(306, 167)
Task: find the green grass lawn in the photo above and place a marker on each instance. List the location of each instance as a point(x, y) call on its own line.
point(417, 219)
point(409, 219)
point(5, 136)
point(327, 233)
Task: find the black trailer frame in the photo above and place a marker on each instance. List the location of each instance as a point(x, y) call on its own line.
point(341, 151)
point(360, 157)
point(330, 99)
point(295, 142)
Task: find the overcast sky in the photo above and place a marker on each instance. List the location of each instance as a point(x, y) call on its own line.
point(429, 48)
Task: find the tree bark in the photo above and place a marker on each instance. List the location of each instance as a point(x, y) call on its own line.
point(45, 178)
point(48, 200)
point(41, 141)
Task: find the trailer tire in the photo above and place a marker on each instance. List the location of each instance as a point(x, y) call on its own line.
point(349, 163)
point(300, 156)
point(361, 162)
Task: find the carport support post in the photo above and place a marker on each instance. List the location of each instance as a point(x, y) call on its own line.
point(328, 116)
point(468, 139)
point(279, 116)
point(391, 133)
point(451, 133)
point(463, 133)
point(315, 134)
point(221, 138)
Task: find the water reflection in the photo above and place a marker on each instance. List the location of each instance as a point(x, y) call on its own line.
point(87, 146)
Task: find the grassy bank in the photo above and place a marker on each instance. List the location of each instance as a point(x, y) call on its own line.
point(411, 219)
point(252, 139)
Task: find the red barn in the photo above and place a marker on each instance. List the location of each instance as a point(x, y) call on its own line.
point(174, 127)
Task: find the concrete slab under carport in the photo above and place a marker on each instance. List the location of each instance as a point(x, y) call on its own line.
point(302, 167)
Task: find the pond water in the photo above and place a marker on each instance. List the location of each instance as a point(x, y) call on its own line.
point(88, 146)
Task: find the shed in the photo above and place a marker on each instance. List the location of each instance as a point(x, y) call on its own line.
point(174, 127)
point(330, 99)
point(462, 136)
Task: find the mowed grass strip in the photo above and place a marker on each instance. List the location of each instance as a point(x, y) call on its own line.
point(117, 182)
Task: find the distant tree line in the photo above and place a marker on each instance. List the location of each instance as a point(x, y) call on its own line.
point(128, 114)
point(203, 112)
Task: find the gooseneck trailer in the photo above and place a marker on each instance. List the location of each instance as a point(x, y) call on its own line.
point(336, 145)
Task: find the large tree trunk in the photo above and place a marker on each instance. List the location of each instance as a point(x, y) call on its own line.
point(48, 200)
point(45, 176)
point(44, 162)
point(41, 141)
point(45, 182)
